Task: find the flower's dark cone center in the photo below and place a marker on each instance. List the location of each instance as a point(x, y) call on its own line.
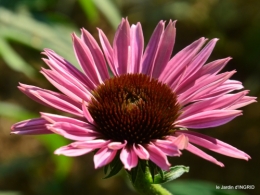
point(134, 108)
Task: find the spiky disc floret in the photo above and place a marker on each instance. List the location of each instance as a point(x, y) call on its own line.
point(135, 108)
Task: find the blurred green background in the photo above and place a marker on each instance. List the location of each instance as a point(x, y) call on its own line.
point(27, 163)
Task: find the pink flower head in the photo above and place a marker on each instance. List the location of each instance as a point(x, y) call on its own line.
point(145, 110)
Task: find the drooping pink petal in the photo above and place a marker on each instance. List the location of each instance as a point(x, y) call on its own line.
point(165, 49)
point(152, 49)
point(246, 100)
point(167, 147)
point(181, 141)
point(192, 71)
point(203, 86)
point(34, 126)
point(158, 157)
point(206, 119)
point(97, 54)
point(73, 131)
point(53, 118)
point(103, 157)
point(86, 60)
point(68, 85)
point(116, 145)
point(52, 99)
point(225, 88)
point(93, 144)
point(137, 47)
point(72, 151)
point(141, 152)
point(120, 47)
point(221, 102)
point(177, 64)
point(214, 67)
point(108, 51)
point(191, 148)
point(214, 145)
point(86, 113)
point(60, 65)
point(129, 158)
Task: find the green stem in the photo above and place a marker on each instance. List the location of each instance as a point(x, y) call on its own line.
point(143, 184)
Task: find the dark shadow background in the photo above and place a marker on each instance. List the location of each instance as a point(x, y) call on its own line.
point(27, 163)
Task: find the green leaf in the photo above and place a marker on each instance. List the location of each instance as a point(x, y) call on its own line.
point(89, 10)
point(195, 187)
point(170, 175)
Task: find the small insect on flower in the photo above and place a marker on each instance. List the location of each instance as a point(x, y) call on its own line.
point(146, 111)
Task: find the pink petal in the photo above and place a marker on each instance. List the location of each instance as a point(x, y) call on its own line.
point(59, 64)
point(193, 68)
point(165, 49)
point(116, 145)
point(53, 118)
point(86, 113)
point(137, 47)
point(73, 131)
point(214, 67)
point(246, 100)
point(52, 99)
point(177, 64)
point(203, 86)
point(71, 151)
point(141, 152)
point(202, 154)
point(68, 85)
point(86, 60)
point(31, 127)
point(120, 47)
point(108, 51)
point(214, 145)
point(167, 147)
point(103, 157)
point(158, 157)
point(128, 158)
point(96, 54)
point(180, 141)
point(93, 144)
point(221, 102)
point(210, 118)
point(152, 49)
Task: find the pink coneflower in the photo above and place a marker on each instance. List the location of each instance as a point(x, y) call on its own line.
point(145, 110)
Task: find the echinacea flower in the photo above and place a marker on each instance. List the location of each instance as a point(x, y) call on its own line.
point(147, 110)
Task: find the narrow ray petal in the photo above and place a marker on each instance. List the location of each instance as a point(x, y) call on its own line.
point(96, 52)
point(158, 157)
point(191, 148)
point(86, 60)
point(129, 158)
point(73, 131)
point(103, 157)
point(152, 49)
point(167, 147)
point(211, 118)
point(116, 145)
point(52, 99)
point(214, 145)
point(71, 151)
point(141, 152)
point(165, 49)
point(120, 47)
point(34, 126)
point(137, 47)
